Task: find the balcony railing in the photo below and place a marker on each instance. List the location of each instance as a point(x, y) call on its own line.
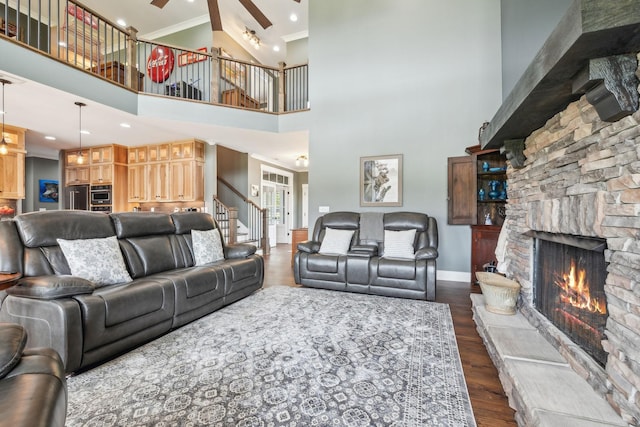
point(80, 37)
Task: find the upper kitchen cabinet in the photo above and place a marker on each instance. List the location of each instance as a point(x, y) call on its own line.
point(12, 164)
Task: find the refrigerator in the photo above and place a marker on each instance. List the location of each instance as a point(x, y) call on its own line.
point(76, 197)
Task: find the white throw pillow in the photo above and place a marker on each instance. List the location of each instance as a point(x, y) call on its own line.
point(336, 242)
point(97, 260)
point(207, 246)
point(399, 244)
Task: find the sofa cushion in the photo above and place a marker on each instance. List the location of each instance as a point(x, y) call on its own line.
point(97, 260)
point(207, 246)
point(51, 287)
point(13, 338)
point(336, 242)
point(399, 244)
point(187, 221)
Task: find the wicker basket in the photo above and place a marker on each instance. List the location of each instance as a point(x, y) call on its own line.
point(500, 293)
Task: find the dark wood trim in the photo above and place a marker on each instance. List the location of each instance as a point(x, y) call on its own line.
point(590, 29)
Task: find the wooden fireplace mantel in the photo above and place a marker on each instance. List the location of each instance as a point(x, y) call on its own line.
point(589, 30)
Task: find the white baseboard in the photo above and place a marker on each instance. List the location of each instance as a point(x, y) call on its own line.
point(454, 276)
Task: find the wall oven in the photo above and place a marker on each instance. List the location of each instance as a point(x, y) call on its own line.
point(100, 194)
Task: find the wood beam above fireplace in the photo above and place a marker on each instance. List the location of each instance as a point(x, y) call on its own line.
point(590, 29)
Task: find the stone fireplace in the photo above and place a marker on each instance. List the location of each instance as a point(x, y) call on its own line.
point(581, 178)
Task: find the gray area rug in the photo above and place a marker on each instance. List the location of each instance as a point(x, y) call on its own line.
point(287, 357)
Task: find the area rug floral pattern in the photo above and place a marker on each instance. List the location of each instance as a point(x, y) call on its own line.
point(287, 357)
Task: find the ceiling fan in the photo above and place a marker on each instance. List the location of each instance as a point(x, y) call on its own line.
point(214, 12)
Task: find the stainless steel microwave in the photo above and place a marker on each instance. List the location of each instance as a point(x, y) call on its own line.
point(100, 194)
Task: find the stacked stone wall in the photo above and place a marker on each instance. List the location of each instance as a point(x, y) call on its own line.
point(582, 177)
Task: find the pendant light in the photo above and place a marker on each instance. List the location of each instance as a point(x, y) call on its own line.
point(4, 147)
point(80, 159)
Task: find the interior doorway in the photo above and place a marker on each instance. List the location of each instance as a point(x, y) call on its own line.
point(277, 198)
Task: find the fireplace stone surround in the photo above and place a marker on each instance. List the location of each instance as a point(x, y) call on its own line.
point(582, 177)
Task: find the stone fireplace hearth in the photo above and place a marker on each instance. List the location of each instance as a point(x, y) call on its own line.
point(582, 178)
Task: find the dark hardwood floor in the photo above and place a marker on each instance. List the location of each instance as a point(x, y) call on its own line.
point(489, 402)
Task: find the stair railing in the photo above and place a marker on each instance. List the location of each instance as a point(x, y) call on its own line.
point(227, 218)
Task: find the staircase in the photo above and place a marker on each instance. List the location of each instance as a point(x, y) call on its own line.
point(233, 231)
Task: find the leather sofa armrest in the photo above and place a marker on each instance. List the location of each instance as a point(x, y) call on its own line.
point(51, 287)
point(426, 253)
point(239, 250)
point(364, 250)
point(309, 246)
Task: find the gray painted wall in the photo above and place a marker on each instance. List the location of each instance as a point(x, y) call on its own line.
point(526, 25)
point(411, 77)
point(35, 170)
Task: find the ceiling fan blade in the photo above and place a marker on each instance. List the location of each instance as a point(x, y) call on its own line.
point(160, 3)
point(214, 15)
point(256, 13)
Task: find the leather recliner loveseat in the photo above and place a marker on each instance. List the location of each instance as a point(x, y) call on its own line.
point(365, 265)
point(87, 324)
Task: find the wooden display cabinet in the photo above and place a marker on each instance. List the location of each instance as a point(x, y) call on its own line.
point(137, 155)
point(159, 152)
point(467, 175)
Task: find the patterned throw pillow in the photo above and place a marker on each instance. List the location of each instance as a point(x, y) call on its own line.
point(399, 244)
point(97, 260)
point(207, 246)
point(336, 242)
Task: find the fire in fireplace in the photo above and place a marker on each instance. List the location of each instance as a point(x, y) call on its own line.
point(569, 276)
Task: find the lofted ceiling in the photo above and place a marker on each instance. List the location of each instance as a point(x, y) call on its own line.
point(48, 111)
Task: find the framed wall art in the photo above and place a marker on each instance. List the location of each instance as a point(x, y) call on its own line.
point(381, 180)
point(48, 191)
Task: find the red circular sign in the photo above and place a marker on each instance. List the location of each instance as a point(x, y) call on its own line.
point(160, 64)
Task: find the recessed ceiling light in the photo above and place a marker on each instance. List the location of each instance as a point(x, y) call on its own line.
point(50, 138)
point(85, 132)
point(276, 48)
point(121, 22)
point(125, 125)
point(293, 17)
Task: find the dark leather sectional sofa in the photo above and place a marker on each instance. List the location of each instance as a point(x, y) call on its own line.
point(88, 326)
point(364, 268)
point(33, 390)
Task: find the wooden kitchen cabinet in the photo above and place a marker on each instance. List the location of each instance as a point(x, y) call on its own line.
point(102, 155)
point(71, 158)
point(158, 179)
point(187, 181)
point(191, 149)
point(137, 155)
point(77, 175)
point(159, 152)
point(137, 182)
point(12, 164)
point(12, 176)
point(101, 174)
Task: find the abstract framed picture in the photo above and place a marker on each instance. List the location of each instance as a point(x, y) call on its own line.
point(381, 180)
point(48, 191)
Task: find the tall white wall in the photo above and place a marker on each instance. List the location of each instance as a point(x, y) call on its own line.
point(414, 77)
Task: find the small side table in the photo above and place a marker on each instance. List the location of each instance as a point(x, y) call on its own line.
point(297, 235)
point(8, 280)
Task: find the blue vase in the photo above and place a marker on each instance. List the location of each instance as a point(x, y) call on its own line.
point(493, 192)
point(481, 194)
